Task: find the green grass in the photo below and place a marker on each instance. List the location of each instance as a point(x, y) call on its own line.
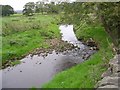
point(0, 49)
point(86, 74)
point(22, 35)
point(18, 23)
point(15, 62)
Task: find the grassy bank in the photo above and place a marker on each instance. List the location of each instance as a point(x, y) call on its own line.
point(21, 34)
point(86, 74)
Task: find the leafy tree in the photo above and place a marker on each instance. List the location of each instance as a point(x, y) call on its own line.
point(109, 16)
point(7, 10)
point(0, 10)
point(29, 8)
point(40, 7)
point(54, 7)
point(105, 12)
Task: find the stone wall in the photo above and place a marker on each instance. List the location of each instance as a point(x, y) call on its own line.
point(111, 78)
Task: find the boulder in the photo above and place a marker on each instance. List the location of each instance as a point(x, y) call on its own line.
point(107, 73)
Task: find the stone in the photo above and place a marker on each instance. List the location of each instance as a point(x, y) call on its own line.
point(109, 81)
point(115, 75)
point(115, 67)
point(91, 48)
point(111, 77)
point(108, 87)
point(113, 61)
point(107, 73)
point(114, 64)
point(90, 42)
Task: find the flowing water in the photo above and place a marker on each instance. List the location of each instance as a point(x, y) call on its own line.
point(37, 70)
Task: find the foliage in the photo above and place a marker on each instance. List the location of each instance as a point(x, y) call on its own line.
point(86, 74)
point(109, 15)
point(89, 12)
point(7, 10)
point(40, 7)
point(21, 32)
point(29, 8)
point(43, 7)
point(86, 19)
point(52, 8)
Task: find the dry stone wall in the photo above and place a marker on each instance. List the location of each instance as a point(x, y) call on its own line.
point(111, 78)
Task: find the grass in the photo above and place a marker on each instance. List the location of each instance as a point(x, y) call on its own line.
point(15, 62)
point(22, 34)
point(86, 74)
point(0, 42)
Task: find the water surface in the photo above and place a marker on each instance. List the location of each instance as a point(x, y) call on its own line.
point(37, 70)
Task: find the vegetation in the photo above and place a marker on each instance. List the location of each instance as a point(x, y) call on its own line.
point(7, 10)
point(42, 7)
point(86, 74)
point(29, 8)
point(20, 33)
point(15, 62)
point(109, 16)
point(106, 13)
point(91, 20)
point(0, 42)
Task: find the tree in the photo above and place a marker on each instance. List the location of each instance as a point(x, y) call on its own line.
point(109, 16)
point(29, 9)
point(53, 7)
point(7, 10)
point(105, 12)
point(40, 5)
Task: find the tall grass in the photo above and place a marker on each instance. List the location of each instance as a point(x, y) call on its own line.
point(22, 34)
point(22, 23)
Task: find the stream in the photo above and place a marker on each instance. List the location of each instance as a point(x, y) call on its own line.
point(37, 70)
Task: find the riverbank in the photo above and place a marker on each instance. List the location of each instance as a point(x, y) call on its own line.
point(21, 35)
point(86, 74)
point(45, 63)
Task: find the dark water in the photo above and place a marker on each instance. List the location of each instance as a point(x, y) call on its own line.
point(37, 70)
